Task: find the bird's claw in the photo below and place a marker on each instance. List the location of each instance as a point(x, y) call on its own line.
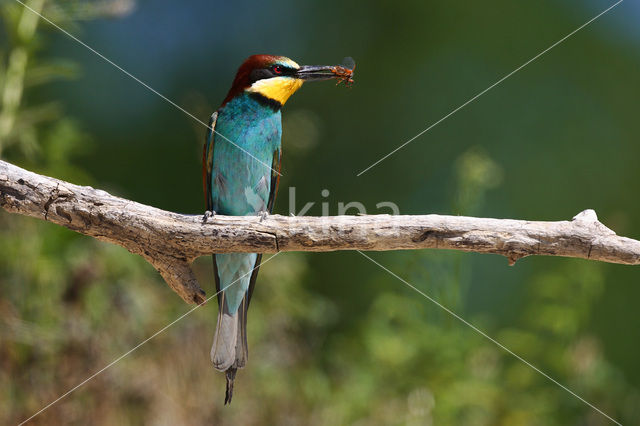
point(208, 215)
point(263, 215)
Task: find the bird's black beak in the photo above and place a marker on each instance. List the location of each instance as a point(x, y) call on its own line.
point(343, 73)
point(315, 72)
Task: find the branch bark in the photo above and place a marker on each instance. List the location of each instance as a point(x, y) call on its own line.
point(171, 241)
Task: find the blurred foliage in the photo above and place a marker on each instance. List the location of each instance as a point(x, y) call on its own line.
point(333, 340)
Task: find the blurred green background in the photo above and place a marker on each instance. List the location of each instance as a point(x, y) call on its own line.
point(333, 338)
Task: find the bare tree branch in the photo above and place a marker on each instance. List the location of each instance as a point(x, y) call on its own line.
point(171, 241)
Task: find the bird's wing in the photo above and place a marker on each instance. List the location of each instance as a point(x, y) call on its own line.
point(207, 162)
point(275, 180)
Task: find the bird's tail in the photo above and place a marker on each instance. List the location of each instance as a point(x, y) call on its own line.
point(229, 350)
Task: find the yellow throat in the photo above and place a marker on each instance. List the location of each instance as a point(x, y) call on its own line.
point(277, 88)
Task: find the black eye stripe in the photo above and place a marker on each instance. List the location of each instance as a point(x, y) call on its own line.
point(279, 69)
point(260, 74)
point(269, 72)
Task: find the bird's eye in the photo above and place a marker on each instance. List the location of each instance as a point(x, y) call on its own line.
point(277, 69)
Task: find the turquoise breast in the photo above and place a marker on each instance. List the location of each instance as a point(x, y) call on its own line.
point(242, 174)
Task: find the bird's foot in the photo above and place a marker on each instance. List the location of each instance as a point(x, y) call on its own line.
point(208, 215)
point(263, 215)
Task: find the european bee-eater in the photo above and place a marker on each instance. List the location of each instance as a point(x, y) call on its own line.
point(241, 164)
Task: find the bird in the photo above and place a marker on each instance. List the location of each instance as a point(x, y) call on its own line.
point(241, 171)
